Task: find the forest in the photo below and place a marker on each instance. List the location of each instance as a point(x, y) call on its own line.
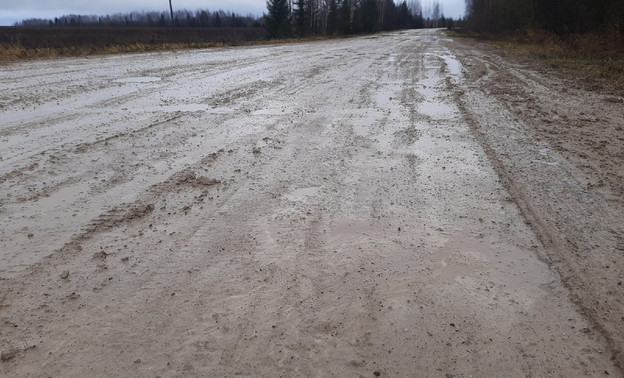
point(284, 18)
point(302, 18)
point(179, 18)
point(562, 17)
point(76, 34)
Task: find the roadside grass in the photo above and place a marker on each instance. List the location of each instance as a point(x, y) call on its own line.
point(23, 43)
point(32, 43)
point(598, 60)
point(10, 53)
point(17, 53)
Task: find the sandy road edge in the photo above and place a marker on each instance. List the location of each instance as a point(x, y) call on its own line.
point(552, 241)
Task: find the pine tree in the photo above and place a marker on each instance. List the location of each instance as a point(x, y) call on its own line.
point(345, 17)
point(404, 17)
point(418, 21)
point(388, 15)
point(332, 17)
point(369, 15)
point(300, 18)
point(278, 20)
point(310, 17)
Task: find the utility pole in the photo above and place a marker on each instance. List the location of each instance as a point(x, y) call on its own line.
point(171, 9)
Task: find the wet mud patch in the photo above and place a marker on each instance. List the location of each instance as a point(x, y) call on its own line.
point(408, 136)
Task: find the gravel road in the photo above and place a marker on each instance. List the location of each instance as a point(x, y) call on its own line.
point(397, 205)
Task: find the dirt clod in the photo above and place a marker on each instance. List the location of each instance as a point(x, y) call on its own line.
point(7, 355)
point(101, 255)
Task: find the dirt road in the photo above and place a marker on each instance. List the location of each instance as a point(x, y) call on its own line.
point(394, 205)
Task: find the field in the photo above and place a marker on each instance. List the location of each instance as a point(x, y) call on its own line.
point(21, 42)
point(396, 205)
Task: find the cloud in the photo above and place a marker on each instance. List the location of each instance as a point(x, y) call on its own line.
point(114, 6)
point(14, 11)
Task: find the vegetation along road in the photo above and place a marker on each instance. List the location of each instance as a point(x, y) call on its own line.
point(400, 205)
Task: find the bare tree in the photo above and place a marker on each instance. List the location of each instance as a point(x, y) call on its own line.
point(415, 7)
point(435, 13)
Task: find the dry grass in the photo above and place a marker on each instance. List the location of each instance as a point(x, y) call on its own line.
point(92, 41)
point(15, 53)
point(34, 43)
point(598, 60)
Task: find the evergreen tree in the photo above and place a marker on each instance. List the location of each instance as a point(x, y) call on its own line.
point(404, 17)
point(418, 21)
point(356, 18)
point(442, 21)
point(368, 16)
point(450, 23)
point(388, 16)
point(217, 20)
point(278, 20)
point(345, 17)
point(559, 16)
point(300, 18)
point(332, 17)
point(310, 17)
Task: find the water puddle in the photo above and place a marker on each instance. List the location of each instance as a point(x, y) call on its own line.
point(431, 87)
point(454, 68)
point(436, 110)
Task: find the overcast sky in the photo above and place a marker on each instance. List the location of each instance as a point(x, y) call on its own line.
point(12, 11)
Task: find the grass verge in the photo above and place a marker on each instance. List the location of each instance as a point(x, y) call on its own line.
point(20, 43)
point(598, 60)
point(16, 53)
point(9, 53)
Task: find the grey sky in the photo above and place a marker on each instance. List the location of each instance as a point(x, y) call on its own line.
point(12, 11)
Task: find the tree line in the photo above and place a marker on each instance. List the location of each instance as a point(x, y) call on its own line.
point(181, 18)
point(285, 18)
point(302, 18)
point(557, 16)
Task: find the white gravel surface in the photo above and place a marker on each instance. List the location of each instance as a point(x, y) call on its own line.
point(315, 209)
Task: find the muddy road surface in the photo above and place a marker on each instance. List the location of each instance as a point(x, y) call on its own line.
point(394, 205)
